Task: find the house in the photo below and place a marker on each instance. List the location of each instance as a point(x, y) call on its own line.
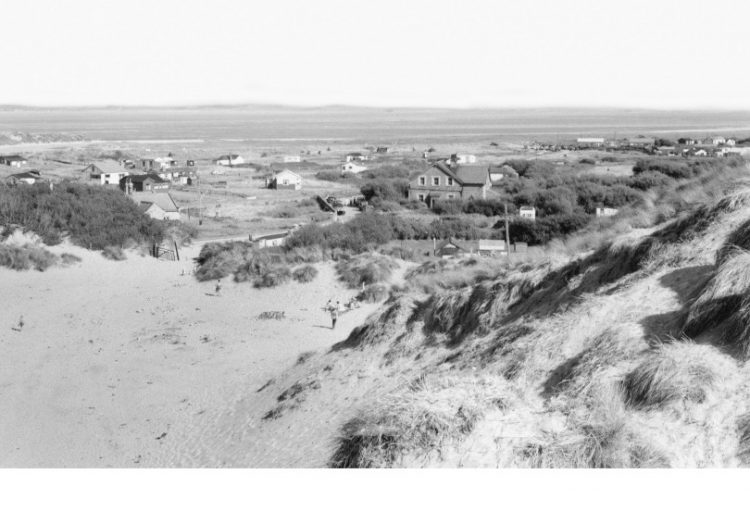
point(159, 206)
point(492, 247)
point(229, 160)
point(13, 160)
point(700, 152)
point(190, 163)
point(161, 163)
point(270, 240)
point(352, 168)
point(528, 212)
point(590, 142)
point(717, 140)
point(286, 180)
point(450, 182)
point(498, 173)
point(463, 159)
point(687, 141)
point(602, 212)
point(382, 149)
point(731, 142)
point(292, 159)
point(29, 178)
point(667, 150)
point(106, 172)
point(143, 183)
point(356, 157)
point(449, 248)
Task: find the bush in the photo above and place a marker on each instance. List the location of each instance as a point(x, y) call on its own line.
point(366, 269)
point(26, 257)
point(387, 190)
point(305, 273)
point(373, 293)
point(273, 277)
point(114, 253)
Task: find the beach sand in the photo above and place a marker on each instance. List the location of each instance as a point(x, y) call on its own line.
point(126, 364)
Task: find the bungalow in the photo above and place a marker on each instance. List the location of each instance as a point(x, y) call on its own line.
point(286, 180)
point(382, 149)
point(143, 183)
point(293, 159)
point(717, 140)
point(590, 142)
point(492, 248)
point(463, 159)
point(449, 248)
point(229, 160)
point(602, 212)
point(352, 168)
point(356, 157)
point(161, 163)
point(641, 142)
point(498, 173)
point(13, 160)
point(270, 240)
point(443, 182)
point(106, 172)
point(667, 150)
point(29, 178)
point(159, 206)
point(731, 142)
point(528, 212)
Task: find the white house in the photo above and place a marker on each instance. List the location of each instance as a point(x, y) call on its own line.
point(492, 247)
point(356, 157)
point(292, 159)
point(270, 240)
point(13, 160)
point(352, 168)
point(718, 140)
point(159, 206)
point(106, 172)
point(602, 212)
point(527, 212)
point(731, 142)
point(590, 141)
point(227, 160)
point(465, 159)
point(28, 178)
point(286, 180)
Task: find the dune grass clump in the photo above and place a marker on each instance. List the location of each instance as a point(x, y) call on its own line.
point(366, 269)
point(677, 371)
point(417, 420)
point(114, 253)
point(273, 277)
point(67, 259)
point(373, 293)
point(305, 274)
point(26, 257)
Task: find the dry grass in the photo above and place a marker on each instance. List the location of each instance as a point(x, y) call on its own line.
point(417, 420)
point(677, 371)
point(26, 257)
point(305, 273)
point(366, 269)
point(373, 293)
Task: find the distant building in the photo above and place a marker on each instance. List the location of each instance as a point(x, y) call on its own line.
point(492, 247)
point(700, 152)
point(161, 163)
point(143, 183)
point(441, 182)
point(286, 180)
point(602, 212)
point(13, 160)
point(497, 174)
point(293, 159)
point(448, 249)
point(229, 160)
point(190, 163)
point(718, 140)
point(270, 240)
point(356, 157)
point(382, 149)
point(106, 172)
point(463, 159)
point(528, 212)
point(352, 168)
point(590, 142)
point(159, 206)
point(641, 142)
point(28, 178)
point(731, 142)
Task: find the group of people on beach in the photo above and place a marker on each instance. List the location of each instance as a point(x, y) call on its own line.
point(335, 309)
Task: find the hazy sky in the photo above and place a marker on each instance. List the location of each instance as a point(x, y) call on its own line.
point(649, 53)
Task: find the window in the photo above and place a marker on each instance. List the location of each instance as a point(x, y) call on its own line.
point(422, 180)
point(421, 197)
point(436, 181)
point(450, 181)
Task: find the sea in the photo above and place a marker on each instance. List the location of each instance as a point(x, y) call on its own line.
point(339, 124)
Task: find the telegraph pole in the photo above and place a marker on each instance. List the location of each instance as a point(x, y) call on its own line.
point(507, 231)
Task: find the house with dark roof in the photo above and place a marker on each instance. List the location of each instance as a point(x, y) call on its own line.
point(107, 172)
point(159, 206)
point(270, 240)
point(28, 178)
point(458, 182)
point(13, 160)
point(356, 157)
point(449, 248)
point(227, 160)
point(143, 183)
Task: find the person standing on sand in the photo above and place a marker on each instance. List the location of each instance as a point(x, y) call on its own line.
point(334, 317)
point(218, 287)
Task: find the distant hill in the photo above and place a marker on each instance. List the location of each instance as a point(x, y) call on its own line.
point(20, 137)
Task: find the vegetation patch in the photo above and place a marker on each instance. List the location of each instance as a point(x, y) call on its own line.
point(26, 257)
point(366, 269)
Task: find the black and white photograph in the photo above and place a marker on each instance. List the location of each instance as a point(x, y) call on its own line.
point(500, 235)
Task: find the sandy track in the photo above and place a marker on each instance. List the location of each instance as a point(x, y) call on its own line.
point(131, 364)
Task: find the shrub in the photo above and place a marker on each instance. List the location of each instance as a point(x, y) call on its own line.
point(26, 257)
point(114, 253)
point(273, 277)
point(373, 293)
point(305, 273)
point(366, 269)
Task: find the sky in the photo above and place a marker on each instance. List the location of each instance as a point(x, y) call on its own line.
point(441, 53)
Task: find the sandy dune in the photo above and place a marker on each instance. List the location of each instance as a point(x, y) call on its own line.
point(124, 364)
